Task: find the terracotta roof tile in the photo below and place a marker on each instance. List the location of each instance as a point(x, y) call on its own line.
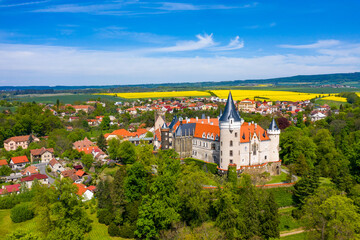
point(3, 162)
point(20, 159)
point(35, 176)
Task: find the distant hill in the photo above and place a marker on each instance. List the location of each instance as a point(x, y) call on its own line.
point(321, 79)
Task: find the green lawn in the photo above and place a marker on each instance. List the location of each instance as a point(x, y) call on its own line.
point(99, 231)
point(299, 236)
point(7, 225)
point(278, 179)
point(287, 222)
point(283, 196)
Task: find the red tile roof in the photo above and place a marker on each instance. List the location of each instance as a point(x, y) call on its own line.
point(3, 162)
point(53, 162)
point(200, 129)
point(36, 152)
point(80, 173)
point(91, 188)
point(81, 188)
point(33, 177)
point(18, 139)
point(20, 159)
point(88, 150)
point(11, 188)
point(247, 131)
point(31, 170)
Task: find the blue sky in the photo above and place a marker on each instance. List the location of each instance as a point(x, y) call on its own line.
point(58, 42)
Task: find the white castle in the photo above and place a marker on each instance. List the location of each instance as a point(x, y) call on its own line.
point(226, 140)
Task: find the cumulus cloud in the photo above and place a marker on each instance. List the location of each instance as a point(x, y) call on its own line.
point(317, 45)
point(45, 65)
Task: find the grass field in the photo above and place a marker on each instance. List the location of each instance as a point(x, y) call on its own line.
point(7, 225)
point(283, 196)
point(266, 95)
point(158, 94)
point(287, 222)
point(278, 179)
point(65, 98)
point(300, 236)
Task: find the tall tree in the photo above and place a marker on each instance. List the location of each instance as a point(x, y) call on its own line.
point(101, 142)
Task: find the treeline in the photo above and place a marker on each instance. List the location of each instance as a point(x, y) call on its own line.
point(169, 201)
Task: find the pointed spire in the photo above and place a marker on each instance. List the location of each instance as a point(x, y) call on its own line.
point(164, 126)
point(230, 111)
point(273, 125)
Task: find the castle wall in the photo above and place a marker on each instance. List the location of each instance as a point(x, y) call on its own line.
point(206, 149)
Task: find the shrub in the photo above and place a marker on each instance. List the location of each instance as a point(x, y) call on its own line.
point(206, 166)
point(105, 216)
point(113, 230)
point(21, 213)
point(127, 230)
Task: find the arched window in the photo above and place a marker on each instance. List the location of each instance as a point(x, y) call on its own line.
point(231, 143)
point(231, 153)
point(235, 134)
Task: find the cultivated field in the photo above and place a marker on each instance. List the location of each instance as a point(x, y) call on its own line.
point(159, 94)
point(335, 98)
point(267, 95)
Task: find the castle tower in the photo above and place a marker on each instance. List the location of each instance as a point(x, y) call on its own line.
point(229, 123)
point(164, 130)
point(274, 135)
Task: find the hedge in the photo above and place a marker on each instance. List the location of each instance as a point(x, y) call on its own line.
point(22, 212)
point(206, 166)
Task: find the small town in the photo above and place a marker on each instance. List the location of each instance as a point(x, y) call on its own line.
point(195, 120)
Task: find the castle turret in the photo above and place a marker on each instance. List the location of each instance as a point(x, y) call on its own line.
point(274, 135)
point(164, 137)
point(229, 123)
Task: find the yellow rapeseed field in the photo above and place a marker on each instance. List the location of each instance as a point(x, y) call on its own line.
point(335, 98)
point(267, 95)
point(159, 94)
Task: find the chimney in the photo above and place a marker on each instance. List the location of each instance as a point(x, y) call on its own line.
point(211, 123)
point(255, 125)
point(208, 119)
point(197, 118)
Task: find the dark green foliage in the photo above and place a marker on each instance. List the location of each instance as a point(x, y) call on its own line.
point(101, 142)
point(22, 212)
point(270, 219)
point(127, 230)
point(206, 166)
point(87, 160)
point(135, 183)
point(283, 196)
point(105, 216)
point(105, 123)
point(305, 187)
point(5, 171)
point(113, 230)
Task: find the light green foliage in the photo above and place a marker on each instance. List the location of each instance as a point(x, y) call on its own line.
point(87, 160)
point(5, 170)
point(22, 235)
point(105, 123)
point(22, 212)
point(126, 152)
point(60, 212)
point(331, 216)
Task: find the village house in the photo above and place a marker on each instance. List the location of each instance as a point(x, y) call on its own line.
point(29, 180)
point(13, 143)
point(15, 188)
point(70, 173)
point(56, 166)
point(43, 155)
point(316, 116)
point(85, 108)
point(83, 143)
point(30, 170)
point(18, 162)
point(247, 105)
point(86, 193)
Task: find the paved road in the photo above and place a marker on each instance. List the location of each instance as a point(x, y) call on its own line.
point(294, 177)
point(42, 168)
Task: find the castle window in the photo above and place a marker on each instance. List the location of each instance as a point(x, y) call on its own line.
point(221, 143)
point(231, 143)
point(213, 146)
point(265, 157)
point(221, 153)
point(245, 148)
point(231, 153)
point(236, 134)
point(231, 121)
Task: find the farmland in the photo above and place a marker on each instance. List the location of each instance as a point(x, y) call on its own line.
point(334, 98)
point(266, 95)
point(63, 98)
point(159, 94)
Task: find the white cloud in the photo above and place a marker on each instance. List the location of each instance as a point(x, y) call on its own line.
point(23, 4)
point(204, 41)
point(45, 65)
point(233, 45)
point(171, 6)
point(318, 44)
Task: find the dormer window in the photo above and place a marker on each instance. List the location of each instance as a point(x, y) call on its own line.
point(231, 121)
